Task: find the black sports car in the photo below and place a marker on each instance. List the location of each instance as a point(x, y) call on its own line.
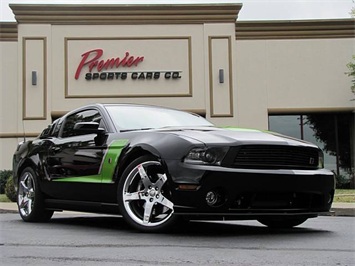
point(154, 165)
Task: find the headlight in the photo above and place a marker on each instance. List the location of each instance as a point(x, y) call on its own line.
point(320, 160)
point(213, 155)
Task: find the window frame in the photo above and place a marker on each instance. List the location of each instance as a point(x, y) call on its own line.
point(65, 119)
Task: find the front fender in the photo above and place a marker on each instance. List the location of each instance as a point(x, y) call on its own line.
point(130, 153)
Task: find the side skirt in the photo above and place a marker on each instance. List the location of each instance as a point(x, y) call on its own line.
point(81, 206)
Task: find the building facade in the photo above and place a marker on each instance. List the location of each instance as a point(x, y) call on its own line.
point(287, 76)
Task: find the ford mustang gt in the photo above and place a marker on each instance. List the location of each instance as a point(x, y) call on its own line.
point(154, 165)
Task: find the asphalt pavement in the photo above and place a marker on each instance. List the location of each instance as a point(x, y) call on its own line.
point(338, 209)
point(76, 239)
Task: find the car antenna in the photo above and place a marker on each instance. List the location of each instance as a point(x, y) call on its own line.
point(24, 133)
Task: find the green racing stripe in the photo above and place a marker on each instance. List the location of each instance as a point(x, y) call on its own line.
point(241, 129)
point(107, 168)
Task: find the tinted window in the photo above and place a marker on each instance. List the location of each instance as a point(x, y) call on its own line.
point(45, 132)
point(48, 132)
point(83, 116)
point(56, 127)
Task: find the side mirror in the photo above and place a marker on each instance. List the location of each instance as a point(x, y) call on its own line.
point(83, 128)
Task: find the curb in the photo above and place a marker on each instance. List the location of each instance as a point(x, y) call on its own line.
point(343, 212)
point(7, 211)
point(8, 207)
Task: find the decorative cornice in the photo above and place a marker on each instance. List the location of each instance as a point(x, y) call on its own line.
point(290, 111)
point(295, 29)
point(175, 14)
point(126, 14)
point(8, 31)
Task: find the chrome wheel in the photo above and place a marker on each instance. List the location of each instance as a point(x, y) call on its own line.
point(26, 194)
point(30, 200)
point(144, 198)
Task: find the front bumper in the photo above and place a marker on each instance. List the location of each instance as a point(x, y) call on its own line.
point(253, 193)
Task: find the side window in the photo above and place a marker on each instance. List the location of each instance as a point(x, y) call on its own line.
point(56, 129)
point(45, 132)
point(83, 116)
point(48, 132)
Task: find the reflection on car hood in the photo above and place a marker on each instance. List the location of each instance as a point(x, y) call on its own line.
point(235, 136)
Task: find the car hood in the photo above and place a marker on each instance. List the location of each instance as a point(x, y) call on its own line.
point(235, 136)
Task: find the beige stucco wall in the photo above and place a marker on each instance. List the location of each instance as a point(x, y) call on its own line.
point(9, 102)
point(280, 76)
point(54, 51)
point(65, 44)
point(260, 76)
point(147, 40)
point(8, 89)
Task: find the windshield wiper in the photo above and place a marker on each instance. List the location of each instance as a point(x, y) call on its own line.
point(136, 129)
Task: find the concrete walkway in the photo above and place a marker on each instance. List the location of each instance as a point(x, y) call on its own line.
point(338, 209)
point(343, 209)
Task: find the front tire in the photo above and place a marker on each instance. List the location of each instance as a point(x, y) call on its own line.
point(144, 196)
point(30, 200)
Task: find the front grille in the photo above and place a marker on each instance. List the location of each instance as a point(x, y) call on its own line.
point(275, 157)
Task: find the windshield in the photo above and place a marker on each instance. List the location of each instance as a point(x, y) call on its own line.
point(147, 117)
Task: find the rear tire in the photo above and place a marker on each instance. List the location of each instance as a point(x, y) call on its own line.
point(30, 199)
point(144, 197)
point(282, 222)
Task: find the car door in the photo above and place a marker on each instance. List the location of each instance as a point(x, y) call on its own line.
point(74, 159)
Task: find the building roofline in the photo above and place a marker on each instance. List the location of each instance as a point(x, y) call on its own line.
point(295, 29)
point(8, 31)
point(57, 14)
point(126, 14)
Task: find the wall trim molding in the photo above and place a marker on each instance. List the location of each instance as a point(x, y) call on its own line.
point(230, 76)
point(12, 135)
point(188, 93)
point(295, 29)
point(24, 79)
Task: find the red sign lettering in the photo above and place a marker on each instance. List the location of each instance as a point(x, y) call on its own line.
point(91, 59)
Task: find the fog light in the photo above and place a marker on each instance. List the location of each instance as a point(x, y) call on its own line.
point(214, 198)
